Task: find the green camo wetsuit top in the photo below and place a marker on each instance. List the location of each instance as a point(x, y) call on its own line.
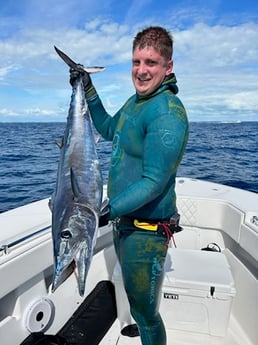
point(149, 135)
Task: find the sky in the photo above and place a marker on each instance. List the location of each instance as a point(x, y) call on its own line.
point(215, 54)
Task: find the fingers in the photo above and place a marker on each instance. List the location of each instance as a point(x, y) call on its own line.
point(74, 74)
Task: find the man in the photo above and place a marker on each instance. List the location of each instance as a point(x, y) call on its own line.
point(149, 135)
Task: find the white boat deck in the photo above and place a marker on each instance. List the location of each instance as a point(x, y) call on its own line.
point(174, 337)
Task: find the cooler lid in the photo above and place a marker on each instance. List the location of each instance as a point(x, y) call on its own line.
point(198, 270)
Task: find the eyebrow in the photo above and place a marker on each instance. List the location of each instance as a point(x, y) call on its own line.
point(151, 61)
point(147, 61)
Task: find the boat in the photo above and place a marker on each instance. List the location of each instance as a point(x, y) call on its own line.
point(209, 293)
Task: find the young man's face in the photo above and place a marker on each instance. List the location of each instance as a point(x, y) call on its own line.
point(149, 69)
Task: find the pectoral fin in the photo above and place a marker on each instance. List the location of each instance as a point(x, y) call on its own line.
point(75, 185)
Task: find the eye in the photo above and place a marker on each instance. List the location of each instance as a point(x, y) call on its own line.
point(136, 62)
point(66, 234)
point(151, 62)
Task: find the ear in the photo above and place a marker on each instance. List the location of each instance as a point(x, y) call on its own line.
point(169, 67)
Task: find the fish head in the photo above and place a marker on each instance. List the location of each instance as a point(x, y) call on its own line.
point(74, 243)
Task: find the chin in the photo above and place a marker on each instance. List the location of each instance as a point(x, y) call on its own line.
point(142, 92)
point(140, 89)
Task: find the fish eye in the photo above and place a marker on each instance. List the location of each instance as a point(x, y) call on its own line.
point(66, 234)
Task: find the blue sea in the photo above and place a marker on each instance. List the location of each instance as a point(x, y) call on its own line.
point(220, 152)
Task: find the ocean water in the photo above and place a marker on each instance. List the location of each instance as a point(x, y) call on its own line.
point(219, 152)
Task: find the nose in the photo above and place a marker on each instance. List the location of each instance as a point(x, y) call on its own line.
point(142, 68)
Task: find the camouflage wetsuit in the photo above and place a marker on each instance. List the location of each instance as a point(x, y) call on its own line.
point(149, 135)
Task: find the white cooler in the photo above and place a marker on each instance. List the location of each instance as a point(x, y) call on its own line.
point(197, 292)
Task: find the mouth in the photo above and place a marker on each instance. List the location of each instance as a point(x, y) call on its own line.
point(142, 84)
point(143, 80)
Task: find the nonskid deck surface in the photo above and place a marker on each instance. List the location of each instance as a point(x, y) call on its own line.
point(175, 337)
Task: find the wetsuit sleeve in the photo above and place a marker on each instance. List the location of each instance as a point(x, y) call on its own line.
point(164, 144)
point(104, 122)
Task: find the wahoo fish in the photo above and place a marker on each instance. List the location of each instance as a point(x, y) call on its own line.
point(77, 198)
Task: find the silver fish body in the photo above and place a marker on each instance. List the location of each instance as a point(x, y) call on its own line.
point(77, 198)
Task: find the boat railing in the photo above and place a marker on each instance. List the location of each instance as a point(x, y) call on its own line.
point(5, 248)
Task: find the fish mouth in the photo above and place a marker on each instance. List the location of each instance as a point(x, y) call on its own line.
point(68, 263)
point(62, 275)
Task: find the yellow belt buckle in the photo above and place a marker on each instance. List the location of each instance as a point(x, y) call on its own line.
point(145, 225)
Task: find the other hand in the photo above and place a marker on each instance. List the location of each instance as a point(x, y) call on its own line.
point(104, 213)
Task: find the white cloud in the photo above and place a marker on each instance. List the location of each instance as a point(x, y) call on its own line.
point(218, 46)
point(28, 111)
point(216, 65)
point(5, 70)
point(243, 101)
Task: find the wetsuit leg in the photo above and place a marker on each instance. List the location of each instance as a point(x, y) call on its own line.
point(142, 255)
